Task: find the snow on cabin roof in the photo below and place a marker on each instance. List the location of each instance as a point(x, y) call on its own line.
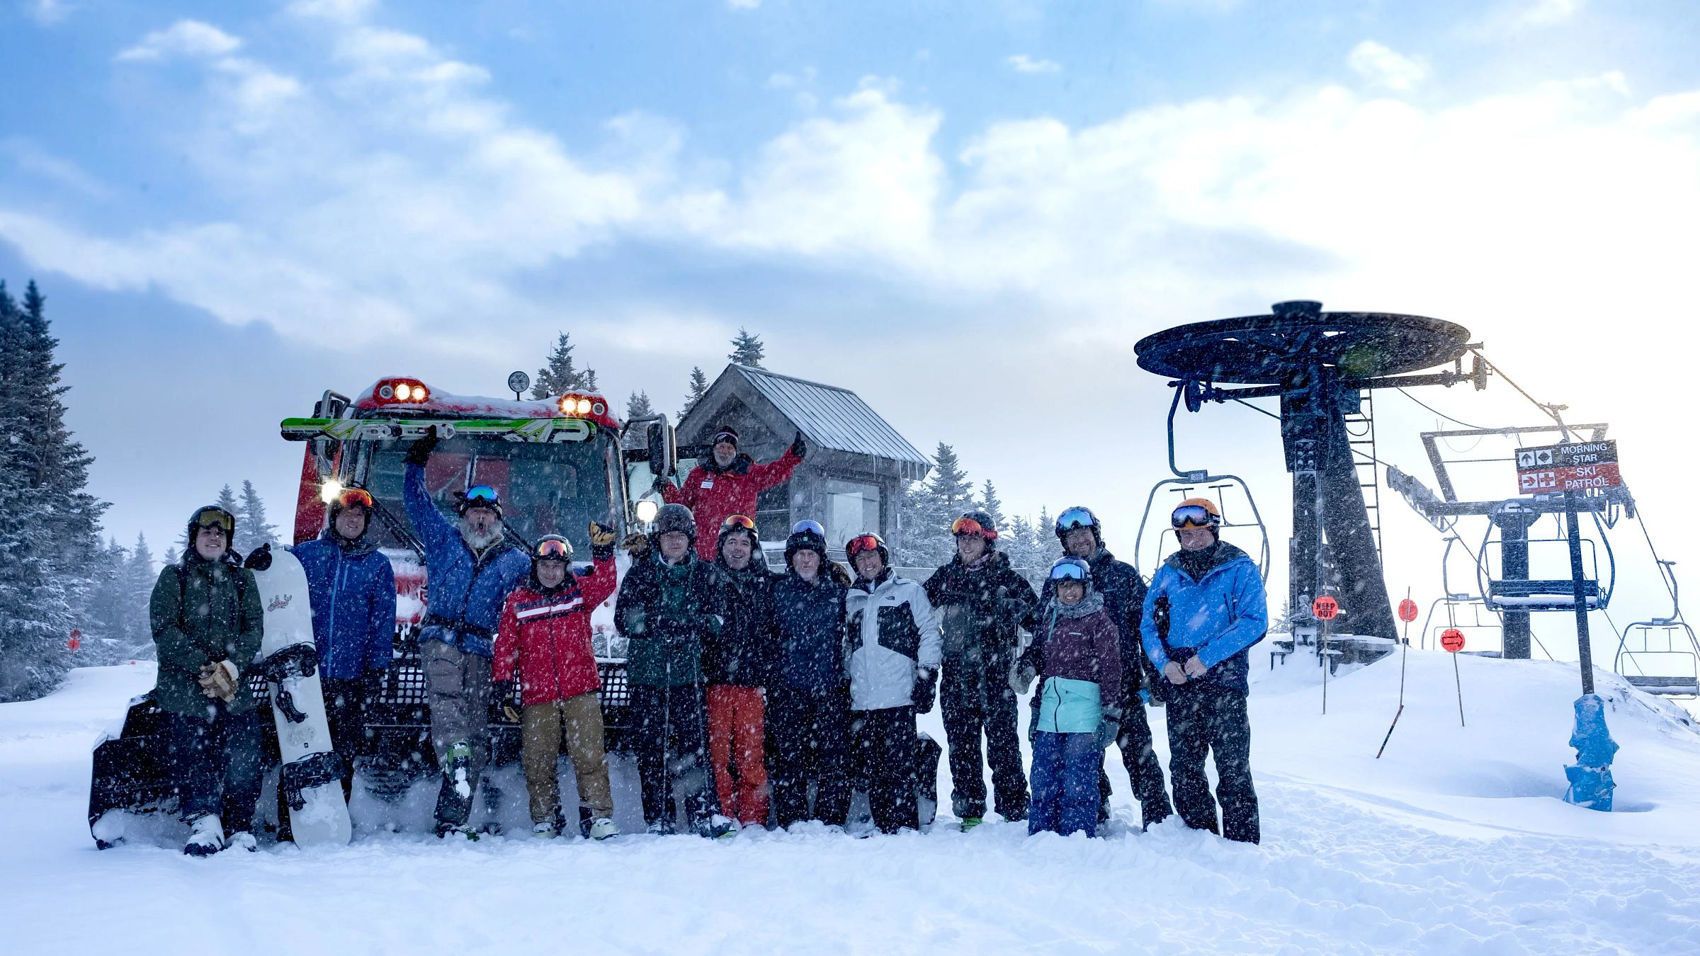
point(831, 417)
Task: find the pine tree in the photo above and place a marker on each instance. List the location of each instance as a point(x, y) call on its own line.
point(929, 509)
point(991, 505)
point(746, 349)
point(227, 501)
point(1017, 542)
point(172, 556)
point(638, 406)
point(251, 527)
point(699, 387)
point(558, 374)
point(35, 620)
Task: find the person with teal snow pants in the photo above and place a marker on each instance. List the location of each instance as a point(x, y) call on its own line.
point(1074, 653)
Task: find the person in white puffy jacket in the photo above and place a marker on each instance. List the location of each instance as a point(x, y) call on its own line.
point(893, 660)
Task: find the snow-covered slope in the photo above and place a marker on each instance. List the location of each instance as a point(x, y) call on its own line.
point(1456, 841)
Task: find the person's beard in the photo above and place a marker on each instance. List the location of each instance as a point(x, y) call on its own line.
point(479, 541)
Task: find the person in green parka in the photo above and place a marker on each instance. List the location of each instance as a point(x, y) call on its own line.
point(206, 620)
point(670, 601)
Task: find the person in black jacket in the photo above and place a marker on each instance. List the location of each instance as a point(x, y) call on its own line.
point(737, 663)
point(670, 602)
point(1124, 597)
point(808, 695)
point(980, 600)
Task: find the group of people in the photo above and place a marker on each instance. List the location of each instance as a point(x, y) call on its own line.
point(757, 697)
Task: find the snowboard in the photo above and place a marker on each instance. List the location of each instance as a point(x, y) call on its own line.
point(311, 776)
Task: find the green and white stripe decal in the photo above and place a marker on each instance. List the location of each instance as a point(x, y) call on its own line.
point(408, 429)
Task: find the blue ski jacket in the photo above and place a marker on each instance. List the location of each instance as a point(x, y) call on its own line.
point(466, 591)
point(352, 590)
point(1217, 616)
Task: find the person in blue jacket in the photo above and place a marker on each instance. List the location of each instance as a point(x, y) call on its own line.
point(352, 590)
point(469, 569)
point(1203, 612)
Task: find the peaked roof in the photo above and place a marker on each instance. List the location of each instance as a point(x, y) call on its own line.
point(828, 416)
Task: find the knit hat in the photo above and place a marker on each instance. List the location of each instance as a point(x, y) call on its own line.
point(674, 517)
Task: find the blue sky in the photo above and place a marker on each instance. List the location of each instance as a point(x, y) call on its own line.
point(968, 212)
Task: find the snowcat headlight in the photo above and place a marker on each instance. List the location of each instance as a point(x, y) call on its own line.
point(329, 490)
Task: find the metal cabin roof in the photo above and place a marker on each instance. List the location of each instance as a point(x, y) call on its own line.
point(831, 417)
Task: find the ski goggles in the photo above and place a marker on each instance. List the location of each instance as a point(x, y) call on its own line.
point(1070, 569)
point(967, 525)
point(354, 498)
point(739, 521)
point(861, 543)
point(553, 548)
point(1073, 518)
point(809, 527)
point(480, 496)
point(214, 517)
point(1197, 516)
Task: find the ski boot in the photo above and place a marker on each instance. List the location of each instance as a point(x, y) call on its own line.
point(661, 828)
point(717, 827)
point(206, 836)
point(602, 828)
point(242, 840)
point(447, 830)
point(969, 823)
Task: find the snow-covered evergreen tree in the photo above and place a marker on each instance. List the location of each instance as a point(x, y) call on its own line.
point(559, 374)
point(1017, 542)
point(929, 508)
point(746, 349)
point(48, 539)
point(251, 527)
point(699, 386)
point(992, 505)
point(638, 406)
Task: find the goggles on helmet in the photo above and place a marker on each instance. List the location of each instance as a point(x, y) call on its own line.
point(213, 516)
point(739, 521)
point(809, 527)
point(553, 548)
point(1077, 517)
point(1197, 516)
point(861, 543)
point(967, 525)
point(1070, 569)
point(481, 495)
point(354, 498)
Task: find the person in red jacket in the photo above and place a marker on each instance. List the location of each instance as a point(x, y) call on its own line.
point(545, 635)
point(727, 484)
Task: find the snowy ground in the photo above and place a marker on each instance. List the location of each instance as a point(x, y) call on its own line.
point(1456, 842)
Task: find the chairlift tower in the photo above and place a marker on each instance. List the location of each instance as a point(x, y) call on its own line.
point(1319, 364)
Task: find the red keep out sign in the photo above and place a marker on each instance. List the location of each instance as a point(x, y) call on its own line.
point(1407, 610)
point(1452, 640)
point(1325, 608)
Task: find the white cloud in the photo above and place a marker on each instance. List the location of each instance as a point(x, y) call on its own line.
point(341, 11)
point(31, 158)
point(48, 12)
point(743, 4)
point(1022, 63)
point(1543, 13)
point(185, 38)
point(1383, 67)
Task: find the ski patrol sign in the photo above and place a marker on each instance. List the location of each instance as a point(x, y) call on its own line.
point(1573, 466)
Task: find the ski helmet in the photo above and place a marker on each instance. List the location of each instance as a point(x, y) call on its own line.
point(351, 497)
point(1071, 569)
point(212, 516)
point(738, 524)
point(975, 522)
point(867, 541)
point(1078, 517)
point(1196, 513)
point(552, 547)
point(480, 496)
point(806, 536)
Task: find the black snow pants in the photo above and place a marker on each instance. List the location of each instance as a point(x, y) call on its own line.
point(672, 750)
point(1144, 770)
point(882, 747)
point(808, 744)
point(1204, 718)
point(216, 763)
point(976, 697)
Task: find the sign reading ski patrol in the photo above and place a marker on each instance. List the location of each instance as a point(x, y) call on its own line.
point(1574, 466)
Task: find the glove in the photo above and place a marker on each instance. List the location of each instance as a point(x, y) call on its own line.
point(636, 545)
point(1109, 727)
point(1021, 677)
point(660, 485)
point(259, 559)
point(601, 541)
point(219, 680)
point(799, 447)
point(419, 452)
point(839, 576)
point(926, 689)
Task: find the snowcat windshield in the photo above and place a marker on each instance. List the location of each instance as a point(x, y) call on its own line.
point(545, 488)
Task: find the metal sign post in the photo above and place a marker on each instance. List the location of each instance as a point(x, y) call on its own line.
point(1452, 640)
point(1407, 612)
point(1324, 609)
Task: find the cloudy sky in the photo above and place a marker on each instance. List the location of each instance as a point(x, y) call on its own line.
point(968, 212)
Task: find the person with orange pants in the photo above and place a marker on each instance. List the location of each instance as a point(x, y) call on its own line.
point(738, 662)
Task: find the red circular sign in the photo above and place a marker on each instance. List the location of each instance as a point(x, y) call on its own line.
point(1325, 608)
point(1452, 640)
point(1408, 610)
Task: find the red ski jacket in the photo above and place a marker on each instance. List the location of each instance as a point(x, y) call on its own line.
point(713, 494)
point(546, 636)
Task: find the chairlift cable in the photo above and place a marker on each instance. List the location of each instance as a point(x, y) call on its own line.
point(1437, 411)
point(1549, 410)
